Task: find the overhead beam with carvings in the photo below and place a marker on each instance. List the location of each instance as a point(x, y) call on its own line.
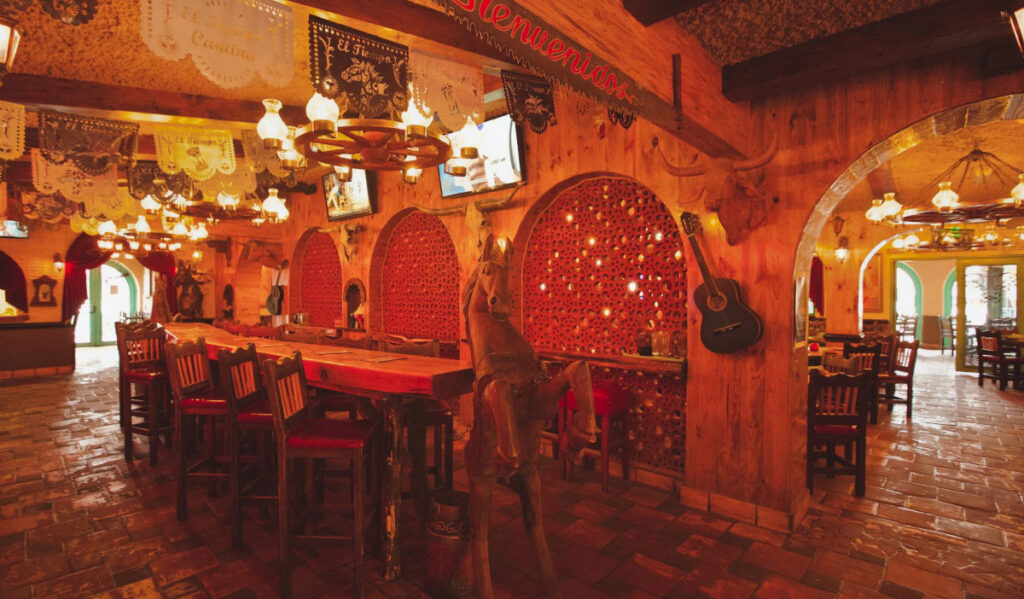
point(942, 27)
point(650, 12)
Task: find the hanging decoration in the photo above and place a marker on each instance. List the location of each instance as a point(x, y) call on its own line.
point(367, 75)
point(199, 153)
point(529, 98)
point(48, 208)
point(622, 119)
point(70, 12)
point(261, 158)
point(97, 194)
point(94, 145)
point(455, 91)
point(238, 183)
point(146, 179)
point(230, 41)
point(12, 130)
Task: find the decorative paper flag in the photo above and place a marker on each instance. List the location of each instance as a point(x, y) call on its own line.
point(93, 144)
point(200, 153)
point(529, 98)
point(230, 41)
point(70, 12)
point(453, 90)
point(12, 130)
point(261, 158)
point(368, 75)
point(46, 207)
point(146, 179)
point(622, 119)
point(96, 194)
point(241, 182)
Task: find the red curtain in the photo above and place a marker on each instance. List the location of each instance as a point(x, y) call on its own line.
point(162, 263)
point(12, 280)
point(817, 285)
point(83, 255)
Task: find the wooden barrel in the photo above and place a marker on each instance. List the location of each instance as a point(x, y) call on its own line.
point(449, 565)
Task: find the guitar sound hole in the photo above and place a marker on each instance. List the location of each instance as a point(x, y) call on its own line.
point(717, 302)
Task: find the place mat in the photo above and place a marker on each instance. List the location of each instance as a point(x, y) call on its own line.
point(384, 359)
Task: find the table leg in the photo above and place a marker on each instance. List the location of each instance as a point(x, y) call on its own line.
point(416, 415)
point(391, 501)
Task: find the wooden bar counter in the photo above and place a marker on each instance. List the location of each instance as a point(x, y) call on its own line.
point(396, 383)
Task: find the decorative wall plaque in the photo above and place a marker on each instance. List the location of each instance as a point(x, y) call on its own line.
point(44, 295)
point(453, 90)
point(230, 41)
point(200, 153)
point(366, 74)
point(529, 98)
point(12, 130)
point(94, 145)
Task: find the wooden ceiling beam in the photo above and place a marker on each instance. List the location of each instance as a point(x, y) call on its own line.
point(942, 27)
point(650, 12)
point(42, 91)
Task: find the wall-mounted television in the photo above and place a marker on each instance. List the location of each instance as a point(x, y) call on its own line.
point(499, 165)
point(351, 199)
point(12, 228)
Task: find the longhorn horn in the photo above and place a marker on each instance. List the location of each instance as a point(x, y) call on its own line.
point(441, 211)
point(693, 170)
point(763, 159)
point(497, 203)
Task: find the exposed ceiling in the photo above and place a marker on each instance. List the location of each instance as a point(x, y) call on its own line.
point(910, 173)
point(737, 30)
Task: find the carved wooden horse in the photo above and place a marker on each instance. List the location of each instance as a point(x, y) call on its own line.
point(514, 397)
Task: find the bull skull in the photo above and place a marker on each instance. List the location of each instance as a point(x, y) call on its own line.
point(350, 245)
point(741, 205)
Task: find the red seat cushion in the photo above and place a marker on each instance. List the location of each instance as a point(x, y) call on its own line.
point(324, 433)
point(845, 430)
point(208, 403)
point(257, 413)
point(607, 401)
point(145, 376)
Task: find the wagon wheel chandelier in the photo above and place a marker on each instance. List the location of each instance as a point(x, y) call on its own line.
point(405, 145)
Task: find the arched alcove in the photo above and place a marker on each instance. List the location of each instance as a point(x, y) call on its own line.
point(316, 279)
point(354, 293)
point(414, 279)
point(12, 281)
point(598, 259)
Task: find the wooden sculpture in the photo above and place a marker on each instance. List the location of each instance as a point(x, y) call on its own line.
point(513, 399)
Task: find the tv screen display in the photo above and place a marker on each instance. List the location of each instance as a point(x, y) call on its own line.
point(500, 161)
point(12, 228)
point(351, 199)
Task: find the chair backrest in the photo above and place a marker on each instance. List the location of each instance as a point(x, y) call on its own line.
point(264, 332)
point(416, 347)
point(838, 398)
point(240, 377)
point(377, 340)
point(141, 347)
point(865, 355)
point(188, 367)
point(361, 343)
point(815, 327)
point(946, 326)
point(288, 393)
point(904, 357)
point(834, 362)
point(237, 328)
point(297, 334)
point(990, 342)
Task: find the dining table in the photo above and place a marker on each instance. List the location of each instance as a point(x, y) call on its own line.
point(399, 386)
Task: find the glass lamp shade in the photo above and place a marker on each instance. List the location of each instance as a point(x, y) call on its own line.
point(228, 201)
point(107, 227)
point(273, 206)
point(141, 225)
point(875, 213)
point(271, 127)
point(912, 240)
point(414, 119)
point(290, 157)
point(179, 229)
point(411, 175)
point(150, 205)
point(10, 37)
point(1018, 191)
point(201, 232)
point(842, 254)
point(898, 243)
point(322, 112)
point(890, 207)
point(945, 199)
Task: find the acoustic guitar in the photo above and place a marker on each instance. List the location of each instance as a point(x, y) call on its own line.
point(727, 324)
point(276, 293)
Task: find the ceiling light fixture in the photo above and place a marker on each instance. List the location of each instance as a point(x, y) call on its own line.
point(10, 37)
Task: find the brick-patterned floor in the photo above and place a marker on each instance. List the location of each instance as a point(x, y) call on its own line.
point(943, 516)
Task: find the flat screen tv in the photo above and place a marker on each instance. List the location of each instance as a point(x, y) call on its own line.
point(351, 199)
point(499, 165)
point(12, 228)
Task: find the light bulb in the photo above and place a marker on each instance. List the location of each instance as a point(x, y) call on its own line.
point(411, 174)
point(228, 201)
point(322, 112)
point(271, 127)
point(179, 229)
point(890, 207)
point(415, 120)
point(196, 255)
point(912, 240)
point(898, 243)
point(842, 254)
point(141, 225)
point(134, 245)
point(945, 199)
point(273, 206)
point(1018, 192)
point(107, 227)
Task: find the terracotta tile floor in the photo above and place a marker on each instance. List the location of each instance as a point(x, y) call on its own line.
point(943, 516)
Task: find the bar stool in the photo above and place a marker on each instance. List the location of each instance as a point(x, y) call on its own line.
point(145, 388)
point(248, 410)
point(300, 435)
point(611, 405)
point(123, 388)
point(195, 398)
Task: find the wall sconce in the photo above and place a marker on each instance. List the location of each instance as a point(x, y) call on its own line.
point(843, 249)
point(1016, 19)
point(58, 262)
point(10, 36)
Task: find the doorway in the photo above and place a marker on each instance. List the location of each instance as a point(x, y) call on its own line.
point(989, 300)
point(113, 296)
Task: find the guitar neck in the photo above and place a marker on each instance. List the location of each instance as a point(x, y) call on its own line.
point(705, 270)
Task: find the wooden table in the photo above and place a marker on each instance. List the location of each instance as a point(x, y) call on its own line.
point(398, 387)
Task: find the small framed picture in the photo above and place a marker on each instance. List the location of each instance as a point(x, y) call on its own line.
point(43, 296)
point(349, 199)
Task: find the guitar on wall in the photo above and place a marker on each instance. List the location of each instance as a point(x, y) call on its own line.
point(276, 293)
point(727, 324)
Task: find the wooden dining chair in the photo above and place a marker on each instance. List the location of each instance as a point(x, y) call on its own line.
point(903, 363)
point(836, 362)
point(123, 389)
point(361, 343)
point(302, 437)
point(198, 403)
point(886, 342)
point(146, 395)
point(263, 332)
point(947, 333)
point(837, 416)
point(248, 412)
point(994, 353)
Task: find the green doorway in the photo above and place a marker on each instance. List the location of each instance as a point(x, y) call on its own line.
point(113, 296)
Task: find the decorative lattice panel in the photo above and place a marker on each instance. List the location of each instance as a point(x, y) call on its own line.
point(420, 280)
point(603, 263)
point(322, 293)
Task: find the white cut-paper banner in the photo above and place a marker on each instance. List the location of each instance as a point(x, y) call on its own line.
point(261, 158)
point(239, 183)
point(230, 41)
point(97, 194)
point(453, 90)
point(12, 130)
point(201, 153)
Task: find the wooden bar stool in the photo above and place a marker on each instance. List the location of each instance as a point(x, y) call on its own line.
point(611, 405)
point(301, 436)
point(248, 410)
point(837, 415)
point(123, 388)
point(146, 392)
point(196, 399)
